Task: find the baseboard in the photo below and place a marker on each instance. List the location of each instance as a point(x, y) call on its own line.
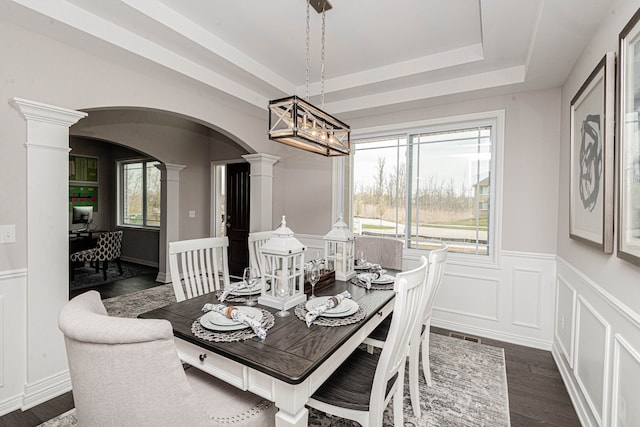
point(140, 261)
point(47, 389)
point(10, 405)
point(572, 389)
point(496, 335)
point(163, 277)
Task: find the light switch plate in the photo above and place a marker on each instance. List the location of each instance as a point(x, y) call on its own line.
point(192, 214)
point(8, 233)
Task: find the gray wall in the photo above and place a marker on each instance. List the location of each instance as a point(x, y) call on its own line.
point(618, 277)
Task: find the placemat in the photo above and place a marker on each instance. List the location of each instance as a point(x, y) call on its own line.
point(229, 336)
point(236, 298)
point(301, 312)
point(374, 286)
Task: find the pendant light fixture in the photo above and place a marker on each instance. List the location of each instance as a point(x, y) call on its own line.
point(298, 123)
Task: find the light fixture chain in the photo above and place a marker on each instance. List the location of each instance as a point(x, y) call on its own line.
point(307, 44)
point(322, 55)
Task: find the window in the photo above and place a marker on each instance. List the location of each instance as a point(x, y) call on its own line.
point(139, 193)
point(432, 184)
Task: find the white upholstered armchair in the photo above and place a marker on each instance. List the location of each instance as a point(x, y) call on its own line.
point(126, 372)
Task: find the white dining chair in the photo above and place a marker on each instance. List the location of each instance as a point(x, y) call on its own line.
point(198, 266)
point(256, 240)
point(126, 372)
point(420, 342)
point(361, 388)
point(385, 251)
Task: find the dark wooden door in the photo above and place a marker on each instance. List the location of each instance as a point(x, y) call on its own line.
point(237, 221)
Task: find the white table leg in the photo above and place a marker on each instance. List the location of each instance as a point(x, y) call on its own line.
point(290, 399)
point(284, 419)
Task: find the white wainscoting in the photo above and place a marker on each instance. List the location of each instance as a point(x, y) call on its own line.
point(511, 301)
point(597, 349)
point(13, 285)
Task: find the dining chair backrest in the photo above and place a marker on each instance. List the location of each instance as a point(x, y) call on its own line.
point(256, 240)
point(198, 266)
point(437, 259)
point(385, 251)
point(409, 288)
point(109, 246)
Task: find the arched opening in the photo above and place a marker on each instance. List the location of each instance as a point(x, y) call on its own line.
point(185, 148)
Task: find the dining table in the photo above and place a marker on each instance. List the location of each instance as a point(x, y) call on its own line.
point(289, 365)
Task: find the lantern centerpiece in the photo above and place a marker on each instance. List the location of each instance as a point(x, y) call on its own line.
point(283, 275)
point(339, 247)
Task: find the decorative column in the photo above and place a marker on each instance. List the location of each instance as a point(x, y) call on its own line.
point(170, 216)
point(47, 237)
point(261, 199)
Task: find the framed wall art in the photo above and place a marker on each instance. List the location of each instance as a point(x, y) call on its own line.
point(592, 134)
point(629, 142)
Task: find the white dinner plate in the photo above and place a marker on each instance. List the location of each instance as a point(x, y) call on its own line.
point(384, 279)
point(366, 266)
point(346, 308)
point(255, 289)
point(219, 322)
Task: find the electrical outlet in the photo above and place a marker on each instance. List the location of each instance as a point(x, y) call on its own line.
point(8, 233)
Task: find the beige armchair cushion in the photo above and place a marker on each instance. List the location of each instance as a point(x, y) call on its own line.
point(126, 372)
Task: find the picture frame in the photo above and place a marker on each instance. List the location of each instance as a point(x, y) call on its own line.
point(629, 141)
point(83, 169)
point(592, 122)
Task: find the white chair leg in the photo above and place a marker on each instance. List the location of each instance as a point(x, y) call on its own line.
point(398, 401)
point(414, 372)
point(426, 364)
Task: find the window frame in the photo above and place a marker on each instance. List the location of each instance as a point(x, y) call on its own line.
point(120, 165)
point(343, 169)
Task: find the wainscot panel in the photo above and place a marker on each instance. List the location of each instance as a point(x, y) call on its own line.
point(13, 285)
point(604, 380)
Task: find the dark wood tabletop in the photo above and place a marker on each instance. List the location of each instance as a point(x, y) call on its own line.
point(291, 351)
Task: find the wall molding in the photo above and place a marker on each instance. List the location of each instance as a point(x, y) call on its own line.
point(494, 334)
point(621, 307)
point(13, 274)
point(11, 404)
point(621, 333)
point(572, 388)
point(600, 413)
point(46, 389)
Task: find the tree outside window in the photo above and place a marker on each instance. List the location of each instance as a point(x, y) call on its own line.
point(140, 193)
point(426, 187)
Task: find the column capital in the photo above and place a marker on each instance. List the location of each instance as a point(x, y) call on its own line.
point(39, 112)
point(261, 164)
point(172, 170)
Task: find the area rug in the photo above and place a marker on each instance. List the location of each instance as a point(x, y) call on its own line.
point(86, 277)
point(469, 379)
point(133, 304)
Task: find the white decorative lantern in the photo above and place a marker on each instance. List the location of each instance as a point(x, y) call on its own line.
point(339, 247)
point(283, 261)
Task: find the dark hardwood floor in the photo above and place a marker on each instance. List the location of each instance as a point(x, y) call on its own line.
point(537, 394)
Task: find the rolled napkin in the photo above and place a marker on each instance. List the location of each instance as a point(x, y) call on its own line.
point(328, 305)
point(367, 278)
point(232, 312)
point(223, 296)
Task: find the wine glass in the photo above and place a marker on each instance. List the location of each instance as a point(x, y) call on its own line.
point(250, 277)
point(314, 276)
point(282, 289)
point(361, 259)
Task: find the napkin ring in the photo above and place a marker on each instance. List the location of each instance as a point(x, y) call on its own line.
point(334, 300)
point(230, 310)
